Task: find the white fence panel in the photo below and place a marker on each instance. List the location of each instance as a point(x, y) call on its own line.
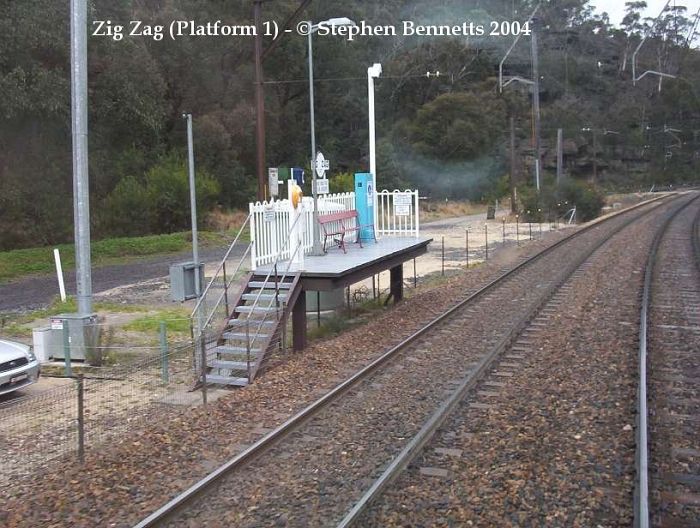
point(269, 228)
point(398, 213)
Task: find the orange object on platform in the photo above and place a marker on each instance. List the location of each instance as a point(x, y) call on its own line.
point(297, 195)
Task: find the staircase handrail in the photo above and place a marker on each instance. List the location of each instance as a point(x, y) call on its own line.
point(273, 267)
point(276, 298)
point(221, 267)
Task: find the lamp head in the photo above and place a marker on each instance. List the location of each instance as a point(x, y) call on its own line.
point(375, 70)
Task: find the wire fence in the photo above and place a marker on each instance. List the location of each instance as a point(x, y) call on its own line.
point(91, 409)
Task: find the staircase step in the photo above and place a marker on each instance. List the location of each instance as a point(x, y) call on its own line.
point(263, 296)
point(241, 323)
point(270, 285)
point(228, 349)
point(226, 380)
point(241, 336)
point(230, 365)
point(256, 309)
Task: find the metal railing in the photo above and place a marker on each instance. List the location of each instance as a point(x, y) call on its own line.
point(213, 306)
point(398, 213)
point(270, 224)
point(272, 275)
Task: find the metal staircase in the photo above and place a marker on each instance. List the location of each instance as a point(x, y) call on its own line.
point(232, 340)
point(255, 329)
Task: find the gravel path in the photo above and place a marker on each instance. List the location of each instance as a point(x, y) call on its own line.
point(547, 438)
point(674, 378)
point(138, 473)
point(314, 476)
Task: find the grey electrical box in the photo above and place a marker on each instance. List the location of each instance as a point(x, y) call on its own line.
point(83, 335)
point(182, 281)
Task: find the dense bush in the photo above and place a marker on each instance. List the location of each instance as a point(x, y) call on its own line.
point(160, 202)
point(554, 202)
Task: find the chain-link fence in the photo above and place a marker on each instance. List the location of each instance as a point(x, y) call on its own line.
point(98, 406)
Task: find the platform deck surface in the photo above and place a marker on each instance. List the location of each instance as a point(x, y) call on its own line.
point(336, 263)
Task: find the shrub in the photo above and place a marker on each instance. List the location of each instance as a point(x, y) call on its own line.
point(160, 203)
point(553, 202)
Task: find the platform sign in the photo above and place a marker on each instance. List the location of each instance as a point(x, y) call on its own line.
point(322, 165)
point(402, 204)
point(273, 176)
point(322, 186)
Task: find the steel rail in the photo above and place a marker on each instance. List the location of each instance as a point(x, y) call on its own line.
point(414, 447)
point(641, 491)
point(174, 506)
point(696, 239)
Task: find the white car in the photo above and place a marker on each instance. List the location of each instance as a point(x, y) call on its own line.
point(18, 366)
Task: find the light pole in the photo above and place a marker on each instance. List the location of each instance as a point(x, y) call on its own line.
point(193, 203)
point(313, 28)
point(373, 72)
point(81, 183)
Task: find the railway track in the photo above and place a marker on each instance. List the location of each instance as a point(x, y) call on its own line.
point(336, 448)
point(668, 489)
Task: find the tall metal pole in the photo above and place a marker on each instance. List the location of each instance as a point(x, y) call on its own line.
point(316, 234)
point(536, 103)
point(513, 166)
point(81, 188)
point(372, 72)
point(560, 155)
point(193, 205)
point(259, 102)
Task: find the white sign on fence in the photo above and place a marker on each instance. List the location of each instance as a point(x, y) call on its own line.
point(269, 214)
point(402, 204)
point(322, 186)
point(402, 210)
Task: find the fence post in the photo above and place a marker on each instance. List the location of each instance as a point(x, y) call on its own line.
point(443, 256)
point(504, 229)
point(81, 417)
point(66, 348)
point(486, 234)
point(415, 275)
point(164, 351)
point(203, 361)
point(417, 213)
point(466, 236)
point(529, 225)
point(517, 228)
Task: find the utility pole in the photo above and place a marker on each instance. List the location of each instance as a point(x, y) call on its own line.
point(536, 103)
point(560, 155)
point(81, 183)
point(259, 102)
point(513, 166)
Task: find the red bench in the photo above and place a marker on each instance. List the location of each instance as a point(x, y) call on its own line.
point(342, 223)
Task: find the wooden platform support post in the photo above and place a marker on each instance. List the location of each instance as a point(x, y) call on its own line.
point(396, 281)
point(299, 322)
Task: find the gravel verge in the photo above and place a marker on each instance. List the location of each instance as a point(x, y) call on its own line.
point(312, 477)
point(140, 471)
point(674, 378)
point(546, 439)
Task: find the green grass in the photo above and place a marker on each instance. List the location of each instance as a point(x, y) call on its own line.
point(23, 262)
point(176, 321)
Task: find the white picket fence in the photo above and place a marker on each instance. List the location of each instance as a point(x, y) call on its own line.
point(269, 227)
point(397, 215)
